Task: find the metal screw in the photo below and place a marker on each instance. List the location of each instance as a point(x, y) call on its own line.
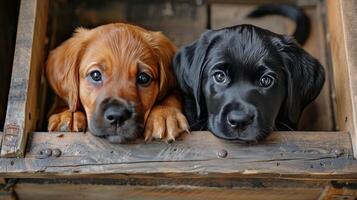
point(222, 153)
point(337, 152)
point(45, 153)
point(56, 153)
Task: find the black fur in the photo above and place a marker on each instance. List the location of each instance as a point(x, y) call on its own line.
point(240, 108)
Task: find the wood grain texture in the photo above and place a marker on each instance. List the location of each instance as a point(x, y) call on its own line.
point(106, 192)
point(28, 60)
point(332, 193)
point(342, 28)
point(300, 155)
point(318, 116)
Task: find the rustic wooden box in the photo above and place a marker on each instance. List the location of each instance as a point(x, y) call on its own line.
point(316, 164)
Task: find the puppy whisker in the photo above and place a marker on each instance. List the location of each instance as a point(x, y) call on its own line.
point(285, 125)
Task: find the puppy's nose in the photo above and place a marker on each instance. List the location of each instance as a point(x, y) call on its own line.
point(116, 114)
point(239, 119)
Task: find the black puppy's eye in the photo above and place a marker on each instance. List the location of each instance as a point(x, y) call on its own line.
point(143, 79)
point(266, 81)
point(96, 76)
point(220, 76)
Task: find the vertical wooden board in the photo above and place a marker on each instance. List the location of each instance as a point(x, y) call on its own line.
point(182, 22)
point(106, 192)
point(8, 21)
point(21, 113)
point(342, 37)
point(331, 193)
point(318, 115)
point(349, 25)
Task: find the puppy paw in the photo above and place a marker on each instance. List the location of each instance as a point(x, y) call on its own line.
point(67, 121)
point(165, 123)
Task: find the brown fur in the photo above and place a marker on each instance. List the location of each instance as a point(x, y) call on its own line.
point(120, 51)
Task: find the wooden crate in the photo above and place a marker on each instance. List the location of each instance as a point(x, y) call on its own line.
point(288, 165)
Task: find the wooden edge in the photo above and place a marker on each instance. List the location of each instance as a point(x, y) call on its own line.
point(285, 155)
point(2, 180)
point(263, 2)
point(341, 23)
point(187, 192)
point(28, 60)
point(349, 23)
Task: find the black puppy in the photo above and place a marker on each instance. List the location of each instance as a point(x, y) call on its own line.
point(242, 82)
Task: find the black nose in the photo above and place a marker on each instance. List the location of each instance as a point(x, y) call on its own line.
point(239, 119)
point(116, 114)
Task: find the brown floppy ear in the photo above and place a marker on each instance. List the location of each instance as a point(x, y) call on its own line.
point(62, 68)
point(164, 50)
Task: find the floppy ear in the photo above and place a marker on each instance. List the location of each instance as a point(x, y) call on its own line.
point(189, 65)
point(304, 78)
point(164, 50)
point(62, 68)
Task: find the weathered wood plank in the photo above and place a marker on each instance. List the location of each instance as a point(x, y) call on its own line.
point(342, 20)
point(301, 155)
point(318, 115)
point(332, 193)
point(106, 192)
point(21, 111)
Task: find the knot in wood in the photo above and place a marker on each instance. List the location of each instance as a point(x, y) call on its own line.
point(337, 152)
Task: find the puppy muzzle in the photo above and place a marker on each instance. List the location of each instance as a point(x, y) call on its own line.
point(116, 120)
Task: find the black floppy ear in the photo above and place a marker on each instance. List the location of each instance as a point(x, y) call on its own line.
point(189, 64)
point(304, 78)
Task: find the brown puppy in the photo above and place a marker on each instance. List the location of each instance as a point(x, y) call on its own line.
point(121, 76)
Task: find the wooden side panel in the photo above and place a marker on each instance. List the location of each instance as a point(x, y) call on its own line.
point(107, 192)
point(342, 18)
point(301, 155)
point(21, 112)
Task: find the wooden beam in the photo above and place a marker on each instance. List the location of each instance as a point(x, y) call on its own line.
point(298, 155)
point(21, 114)
point(342, 22)
point(171, 192)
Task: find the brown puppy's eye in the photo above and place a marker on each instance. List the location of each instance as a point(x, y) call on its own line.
point(266, 81)
point(220, 76)
point(96, 76)
point(143, 79)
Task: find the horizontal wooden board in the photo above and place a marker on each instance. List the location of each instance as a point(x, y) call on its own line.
point(104, 192)
point(299, 155)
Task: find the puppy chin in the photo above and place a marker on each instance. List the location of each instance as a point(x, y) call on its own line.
point(250, 134)
point(127, 132)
